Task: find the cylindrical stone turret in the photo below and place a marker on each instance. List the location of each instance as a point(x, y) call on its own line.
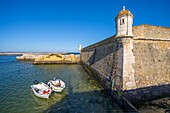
point(124, 21)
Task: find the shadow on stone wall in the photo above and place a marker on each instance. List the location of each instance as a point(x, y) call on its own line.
point(105, 63)
point(140, 95)
point(104, 51)
point(91, 60)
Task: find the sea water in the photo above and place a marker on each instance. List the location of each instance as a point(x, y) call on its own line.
point(81, 95)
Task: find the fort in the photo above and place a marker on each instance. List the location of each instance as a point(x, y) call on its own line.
point(135, 62)
point(133, 65)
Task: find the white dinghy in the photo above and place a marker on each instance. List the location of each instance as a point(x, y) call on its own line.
point(57, 85)
point(41, 90)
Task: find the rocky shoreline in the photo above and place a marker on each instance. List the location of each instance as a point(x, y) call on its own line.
point(51, 58)
point(55, 62)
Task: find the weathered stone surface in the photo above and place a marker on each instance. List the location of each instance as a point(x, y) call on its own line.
point(106, 59)
point(152, 59)
point(148, 31)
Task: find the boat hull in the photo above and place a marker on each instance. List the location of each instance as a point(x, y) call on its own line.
point(54, 88)
point(41, 90)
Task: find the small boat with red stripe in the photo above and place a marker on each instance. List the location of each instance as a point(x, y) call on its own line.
point(41, 89)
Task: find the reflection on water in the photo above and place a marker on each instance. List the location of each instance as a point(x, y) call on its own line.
point(81, 94)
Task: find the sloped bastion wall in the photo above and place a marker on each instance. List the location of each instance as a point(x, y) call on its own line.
point(105, 59)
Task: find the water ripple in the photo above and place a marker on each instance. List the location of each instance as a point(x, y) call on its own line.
point(82, 94)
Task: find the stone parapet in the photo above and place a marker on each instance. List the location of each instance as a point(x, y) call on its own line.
point(145, 31)
point(103, 42)
point(153, 39)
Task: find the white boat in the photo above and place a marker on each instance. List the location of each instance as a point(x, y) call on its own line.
point(57, 85)
point(41, 90)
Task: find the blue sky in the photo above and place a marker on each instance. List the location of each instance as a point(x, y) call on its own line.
point(61, 25)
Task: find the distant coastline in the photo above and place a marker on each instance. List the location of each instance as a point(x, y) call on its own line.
point(36, 53)
point(10, 53)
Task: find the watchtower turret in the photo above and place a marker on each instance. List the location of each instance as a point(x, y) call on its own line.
point(124, 21)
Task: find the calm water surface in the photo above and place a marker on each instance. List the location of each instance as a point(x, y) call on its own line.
point(82, 94)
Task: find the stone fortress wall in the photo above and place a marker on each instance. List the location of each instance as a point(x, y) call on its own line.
point(137, 66)
point(131, 64)
point(152, 62)
point(105, 59)
point(151, 67)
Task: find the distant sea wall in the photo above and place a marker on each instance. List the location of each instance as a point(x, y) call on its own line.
point(137, 67)
point(57, 59)
point(50, 58)
point(29, 56)
point(9, 53)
